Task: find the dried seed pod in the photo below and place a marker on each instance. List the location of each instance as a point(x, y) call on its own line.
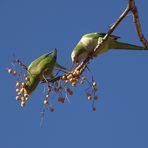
point(81, 82)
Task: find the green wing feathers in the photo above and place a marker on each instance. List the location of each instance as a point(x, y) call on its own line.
point(113, 44)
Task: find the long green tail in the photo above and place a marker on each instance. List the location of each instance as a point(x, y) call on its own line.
point(121, 45)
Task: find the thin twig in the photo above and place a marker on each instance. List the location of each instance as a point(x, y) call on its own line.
point(98, 47)
point(130, 7)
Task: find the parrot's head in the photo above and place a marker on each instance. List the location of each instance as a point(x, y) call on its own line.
point(78, 54)
point(41, 66)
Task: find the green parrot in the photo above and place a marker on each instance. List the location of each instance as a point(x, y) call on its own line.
point(40, 69)
point(89, 41)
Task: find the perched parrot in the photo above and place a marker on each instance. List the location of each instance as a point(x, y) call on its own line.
point(89, 41)
point(40, 69)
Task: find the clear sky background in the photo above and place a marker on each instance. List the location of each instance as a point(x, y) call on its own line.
point(30, 28)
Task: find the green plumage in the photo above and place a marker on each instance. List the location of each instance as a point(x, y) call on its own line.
point(89, 41)
point(41, 68)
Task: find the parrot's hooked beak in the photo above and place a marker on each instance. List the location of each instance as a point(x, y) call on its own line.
point(73, 58)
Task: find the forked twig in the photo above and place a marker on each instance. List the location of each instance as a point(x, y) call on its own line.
point(131, 7)
point(134, 10)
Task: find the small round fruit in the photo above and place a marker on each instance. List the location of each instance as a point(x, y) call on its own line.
point(73, 84)
point(60, 99)
point(23, 84)
point(17, 98)
point(76, 73)
point(83, 78)
point(94, 109)
point(47, 96)
point(51, 109)
point(70, 76)
point(71, 80)
point(89, 97)
point(49, 88)
point(23, 98)
point(17, 84)
point(14, 73)
point(27, 78)
point(95, 89)
point(9, 70)
point(26, 95)
point(26, 98)
point(95, 97)
point(22, 103)
point(94, 84)
point(22, 91)
point(64, 77)
point(46, 102)
point(17, 90)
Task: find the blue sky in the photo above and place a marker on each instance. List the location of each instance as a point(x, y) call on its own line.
point(30, 28)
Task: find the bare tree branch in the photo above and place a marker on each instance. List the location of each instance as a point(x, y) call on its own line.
point(134, 10)
point(131, 7)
